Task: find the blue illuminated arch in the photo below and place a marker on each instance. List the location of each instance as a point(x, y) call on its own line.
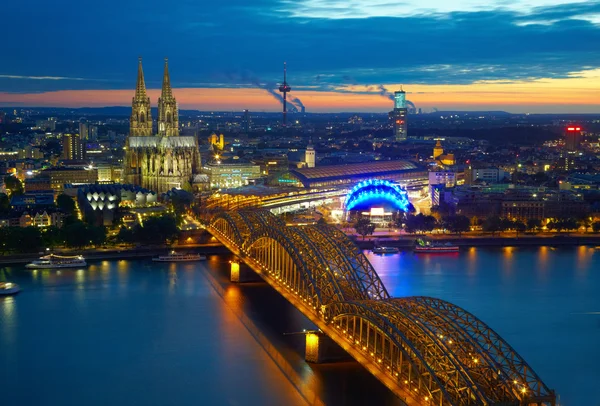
point(377, 190)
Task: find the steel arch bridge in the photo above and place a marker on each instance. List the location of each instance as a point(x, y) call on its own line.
point(426, 350)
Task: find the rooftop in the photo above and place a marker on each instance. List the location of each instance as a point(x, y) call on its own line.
point(361, 169)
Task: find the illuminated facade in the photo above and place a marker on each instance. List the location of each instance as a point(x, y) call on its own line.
point(164, 161)
point(376, 192)
point(310, 156)
point(231, 175)
point(72, 147)
point(399, 116)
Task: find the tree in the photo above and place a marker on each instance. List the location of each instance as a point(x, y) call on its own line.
point(13, 185)
point(596, 227)
point(519, 226)
point(364, 227)
point(534, 224)
point(126, 235)
point(157, 230)
point(506, 224)
point(322, 222)
point(76, 234)
point(4, 203)
point(492, 224)
point(52, 236)
point(65, 204)
point(457, 224)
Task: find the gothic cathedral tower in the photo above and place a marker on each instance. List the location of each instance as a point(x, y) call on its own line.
point(168, 116)
point(141, 117)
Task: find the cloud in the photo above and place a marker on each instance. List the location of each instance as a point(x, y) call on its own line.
point(40, 77)
point(369, 42)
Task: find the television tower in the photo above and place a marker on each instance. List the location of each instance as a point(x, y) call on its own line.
point(284, 88)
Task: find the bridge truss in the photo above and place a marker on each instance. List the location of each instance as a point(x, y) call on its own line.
point(426, 350)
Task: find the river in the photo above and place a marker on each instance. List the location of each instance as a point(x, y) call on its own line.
point(137, 332)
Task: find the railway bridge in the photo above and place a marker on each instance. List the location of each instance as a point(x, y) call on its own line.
point(425, 350)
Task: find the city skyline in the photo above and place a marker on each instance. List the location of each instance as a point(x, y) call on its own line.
point(535, 56)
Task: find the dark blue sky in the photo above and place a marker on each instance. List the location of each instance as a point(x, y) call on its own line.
point(95, 45)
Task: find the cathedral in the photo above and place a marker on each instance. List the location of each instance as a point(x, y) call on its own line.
point(165, 160)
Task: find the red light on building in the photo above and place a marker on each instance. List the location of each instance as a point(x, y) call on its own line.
point(573, 128)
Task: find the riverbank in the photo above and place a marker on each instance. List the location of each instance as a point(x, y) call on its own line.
point(99, 254)
point(407, 242)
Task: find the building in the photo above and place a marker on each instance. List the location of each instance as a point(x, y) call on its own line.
point(166, 160)
point(61, 176)
point(46, 125)
point(32, 200)
point(99, 203)
point(38, 183)
point(446, 178)
point(441, 158)
point(231, 175)
point(83, 132)
point(310, 156)
point(487, 175)
point(217, 141)
point(573, 138)
point(93, 132)
point(399, 116)
point(246, 122)
point(72, 148)
point(404, 172)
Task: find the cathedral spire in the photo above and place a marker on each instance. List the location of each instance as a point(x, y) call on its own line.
point(140, 89)
point(167, 92)
point(140, 123)
point(168, 115)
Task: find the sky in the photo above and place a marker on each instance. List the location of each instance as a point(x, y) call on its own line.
point(343, 55)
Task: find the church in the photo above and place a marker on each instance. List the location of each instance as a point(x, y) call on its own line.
point(163, 160)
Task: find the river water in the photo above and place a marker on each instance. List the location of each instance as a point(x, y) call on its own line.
point(137, 332)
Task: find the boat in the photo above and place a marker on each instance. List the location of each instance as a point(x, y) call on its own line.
point(9, 288)
point(385, 250)
point(53, 261)
point(431, 247)
point(176, 257)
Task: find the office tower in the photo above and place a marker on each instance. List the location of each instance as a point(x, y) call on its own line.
point(83, 131)
point(72, 148)
point(573, 138)
point(93, 132)
point(399, 116)
point(246, 121)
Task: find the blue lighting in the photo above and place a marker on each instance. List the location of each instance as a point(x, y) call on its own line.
point(377, 190)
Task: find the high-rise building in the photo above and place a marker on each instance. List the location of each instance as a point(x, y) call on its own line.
point(246, 121)
point(93, 132)
point(573, 138)
point(83, 131)
point(398, 115)
point(72, 148)
point(310, 156)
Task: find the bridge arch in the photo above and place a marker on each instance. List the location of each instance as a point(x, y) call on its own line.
point(423, 344)
point(377, 190)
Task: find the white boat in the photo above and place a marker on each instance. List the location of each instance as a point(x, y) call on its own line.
point(385, 250)
point(8, 288)
point(175, 257)
point(57, 262)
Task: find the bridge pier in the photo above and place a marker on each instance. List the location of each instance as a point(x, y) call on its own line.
point(321, 349)
point(240, 272)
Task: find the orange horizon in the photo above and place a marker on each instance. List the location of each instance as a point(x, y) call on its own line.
point(543, 95)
